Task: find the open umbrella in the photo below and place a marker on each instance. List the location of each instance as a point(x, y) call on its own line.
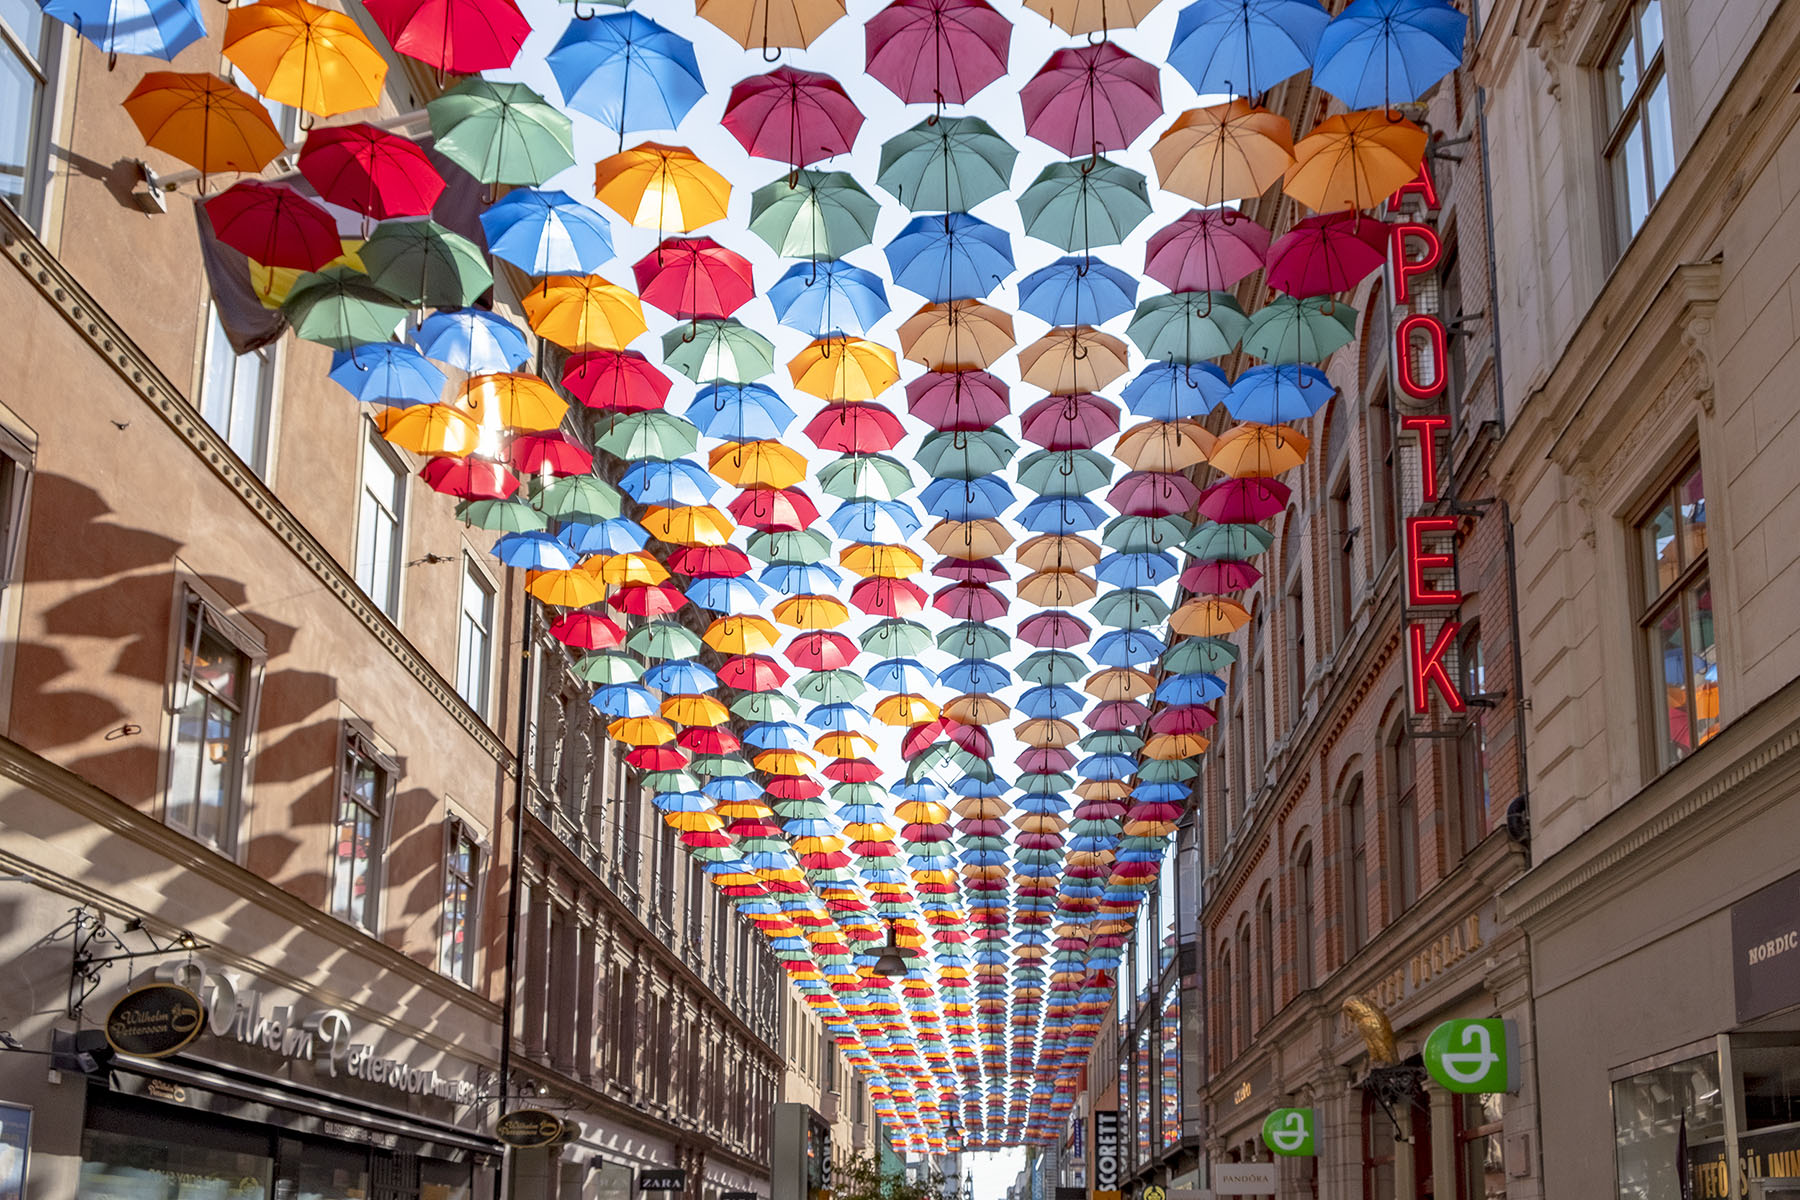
point(947, 164)
point(770, 25)
point(423, 263)
point(739, 412)
point(1322, 256)
point(472, 340)
point(154, 28)
point(1090, 99)
point(965, 399)
point(818, 298)
point(369, 170)
point(1079, 290)
point(857, 429)
point(206, 122)
point(1092, 16)
point(341, 308)
point(694, 277)
point(547, 233)
point(1229, 151)
point(714, 350)
point(957, 335)
point(813, 214)
point(501, 132)
point(1291, 330)
point(274, 225)
point(435, 429)
point(1355, 160)
point(457, 36)
point(583, 312)
point(627, 72)
point(1387, 52)
point(1278, 395)
point(844, 368)
point(1077, 421)
point(792, 116)
point(1079, 205)
point(1245, 47)
point(513, 399)
point(1078, 358)
point(1166, 391)
point(1258, 450)
point(1243, 501)
point(1208, 249)
point(1185, 327)
point(937, 51)
point(1164, 446)
point(950, 257)
point(662, 188)
point(387, 373)
point(298, 53)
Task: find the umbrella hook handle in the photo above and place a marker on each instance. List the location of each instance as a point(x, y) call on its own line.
point(1087, 264)
point(767, 56)
point(693, 331)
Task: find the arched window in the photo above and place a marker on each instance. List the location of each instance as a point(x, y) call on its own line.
point(1471, 744)
point(1256, 710)
point(1265, 957)
point(1403, 802)
point(1246, 1017)
point(1374, 336)
point(1295, 617)
point(1305, 918)
point(1353, 819)
point(1227, 1025)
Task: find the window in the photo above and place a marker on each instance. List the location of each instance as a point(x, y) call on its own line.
point(1677, 619)
point(1381, 471)
point(1404, 771)
point(475, 638)
point(1356, 871)
point(1257, 710)
point(1640, 141)
point(1478, 1135)
point(1265, 960)
point(27, 45)
point(1296, 624)
point(1342, 543)
point(214, 684)
point(380, 525)
point(1660, 1118)
point(1226, 1024)
point(364, 786)
point(462, 861)
point(1471, 745)
point(1246, 1017)
point(236, 392)
point(1306, 911)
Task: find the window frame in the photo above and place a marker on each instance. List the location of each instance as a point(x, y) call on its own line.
point(474, 574)
point(1474, 811)
point(1340, 511)
point(1306, 900)
point(1353, 813)
point(212, 616)
point(456, 832)
point(359, 739)
point(1691, 577)
point(377, 446)
point(259, 457)
point(44, 65)
point(1403, 766)
point(1624, 117)
point(18, 454)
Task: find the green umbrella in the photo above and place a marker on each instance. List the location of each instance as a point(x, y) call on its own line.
point(1145, 535)
point(1053, 667)
point(1045, 785)
point(1130, 608)
point(664, 639)
point(927, 760)
point(790, 546)
point(858, 793)
point(501, 516)
point(985, 842)
point(814, 214)
point(1112, 743)
point(718, 350)
point(813, 809)
point(765, 706)
point(341, 308)
point(1187, 327)
point(1065, 473)
point(1213, 542)
point(1289, 329)
point(970, 765)
point(1171, 771)
point(1037, 856)
point(423, 263)
point(608, 668)
point(650, 434)
point(830, 687)
point(1199, 654)
point(670, 781)
point(501, 132)
point(720, 766)
point(1079, 205)
point(865, 477)
point(896, 637)
point(965, 455)
point(972, 639)
point(946, 164)
point(578, 498)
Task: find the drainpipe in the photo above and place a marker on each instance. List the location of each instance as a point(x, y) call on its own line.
point(516, 879)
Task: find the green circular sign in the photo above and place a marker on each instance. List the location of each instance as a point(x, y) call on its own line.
point(1472, 1057)
point(1289, 1132)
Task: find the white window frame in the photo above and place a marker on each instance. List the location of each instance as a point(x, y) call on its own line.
point(475, 680)
point(192, 604)
point(256, 454)
point(43, 63)
point(359, 740)
point(1627, 119)
point(389, 599)
point(457, 831)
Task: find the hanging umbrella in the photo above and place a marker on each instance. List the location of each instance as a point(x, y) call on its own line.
point(1165, 446)
point(957, 400)
point(1209, 616)
point(1291, 330)
point(841, 368)
point(813, 214)
point(1080, 205)
point(1185, 327)
point(952, 257)
point(1245, 47)
point(1090, 99)
point(501, 132)
point(547, 233)
point(1171, 392)
point(434, 429)
point(582, 312)
point(341, 308)
point(771, 464)
point(1322, 256)
point(1077, 291)
point(719, 350)
point(1258, 450)
point(472, 340)
point(154, 28)
point(1278, 395)
point(1355, 160)
point(517, 401)
point(1092, 16)
point(647, 435)
point(792, 116)
point(1077, 359)
point(694, 277)
point(204, 121)
point(1208, 249)
point(738, 412)
point(1243, 501)
point(947, 164)
point(455, 36)
point(369, 170)
point(1077, 421)
point(1220, 576)
point(1213, 542)
point(425, 264)
point(274, 225)
point(937, 51)
point(1063, 552)
point(958, 335)
point(387, 373)
point(818, 298)
point(1153, 494)
point(652, 481)
point(771, 24)
point(498, 516)
point(298, 53)
point(966, 455)
point(578, 498)
point(662, 188)
point(1230, 151)
point(627, 72)
point(1388, 52)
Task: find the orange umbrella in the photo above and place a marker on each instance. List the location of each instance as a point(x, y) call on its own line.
point(1230, 151)
point(433, 429)
point(811, 612)
point(752, 464)
point(1103, 789)
point(1047, 731)
point(959, 335)
point(1208, 616)
point(1166, 747)
point(688, 525)
point(584, 312)
point(845, 745)
point(573, 588)
point(883, 562)
point(1119, 683)
point(204, 121)
point(905, 709)
point(301, 54)
point(661, 187)
point(1164, 446)
point(516, 400)
point(641, 731)
point(1092, 16)
point(1258, 450)
point(1057, 589)
point(695, 710)
point(844, 368)
point(1057, 552)
point(740, 635)
point(1355, 160)
point(1078, 358)
point(968, 539)
point(977, 710)
point(634, 567)
point(769, 24)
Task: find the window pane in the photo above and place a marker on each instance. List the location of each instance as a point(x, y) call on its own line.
point(1691, 495)
point(1662, 555)
point(25, 19)
point(216, 380)
point(19, 96)
point(1662, 138)
point(1636, 187)
point(1624, 79)
point(378, 528)
point(473, 647)
point(1705, 653)
point(245, 432)
point(1654, 1114)
point(1668, 667)
point(1483, 1157)
point(1650, 28)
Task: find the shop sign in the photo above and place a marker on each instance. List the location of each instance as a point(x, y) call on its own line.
point(154, 1021)
point(1289, 1132)
point(662, 1179)
point(1473, 1057)
point(1765, 949)
point(528, 1128)
point(1771, 1155)
point(1244, 1179)
point(1106, 1154)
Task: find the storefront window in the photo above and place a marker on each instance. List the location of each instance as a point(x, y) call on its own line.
point(1146, 1072)
point(1127, 1116)
point(1169, 1078)
point(1669, 1132)
point(119, 1166)
point(1483, 1161)
point(1378, 1150)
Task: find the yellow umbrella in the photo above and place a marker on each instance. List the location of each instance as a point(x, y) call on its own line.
point(1263, 451)
point(811, 612)
point(273, 284)
point(693, 822)
point(1057, 552)
point(584, 312)
point(1119, 683)
point(829, 844)
point(845, 744)
point(738, 809)
point(573, 588)
point(1166, 747)
point(1164, 446)
point(513, 399)
point(905, 709)
point(768, 24)
point(1057, 589)
point(922, 812)
point(740, 635)
point(977, 710)
point(695, 710)
point(688, 525)
point(868, 831)
point(298, 53)
point(881, 562)
point(204, 121)
point(968, 539)
point(784, 762)
point(661, 187)
point(749, 464)
point(958, 335)
point(429, 429)
point(844, 368)
point(637, 566)
point(1208, 616)
point(1092, 16)
point(1047, 731)
point(641, 731)
point(1355, 160)
point(1077, 359)
point(1230, 151)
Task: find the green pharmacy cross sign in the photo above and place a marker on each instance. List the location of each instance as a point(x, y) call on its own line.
point(1289, 1132)
point(1473, 1057)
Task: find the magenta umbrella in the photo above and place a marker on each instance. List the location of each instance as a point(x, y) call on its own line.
point(1090, 99)
point(1243, 501)
point(1206, 250)
point(1079, 421)
point(1326, 255)
point(1046, 760)
point(972, 570)
point(1187, 718)
point(792, 116)
point(958, 400)
point(972, 738)
point(1115, 715)
point(970, 602)
point(1153, 494)
point(1099, 810)
point(1054, 629)
point(937, 51)
point(1038, 841)
point(1215, 578)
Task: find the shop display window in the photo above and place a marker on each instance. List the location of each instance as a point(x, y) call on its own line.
point(1478, 1137)
point(1669, 1131)
point(122, 1166)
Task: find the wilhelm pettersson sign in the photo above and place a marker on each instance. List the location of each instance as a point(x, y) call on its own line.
point(155, 1021)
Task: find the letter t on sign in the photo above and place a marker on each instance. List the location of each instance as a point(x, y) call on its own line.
point(1426, 427)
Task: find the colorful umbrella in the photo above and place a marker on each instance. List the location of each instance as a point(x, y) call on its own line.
point(1185, 327)
point(456, 36)
point(369, 170)
point(501, 132)
point(473, 340)
point(818, 298)
point(1090, 99)
point(1208, 249)
point(953, 400)
point(937, 51)
point(154, 28)
point(582, 312)
point(952, 257)
point(204, 121)
point(793, 116)
point(662, 188)
point(715, 350)
point(1077, 291)
point(1079, 205)
point(1076, 359)
point(1263, 451)
point(771, 24)
point(423, 263)
point(813, 214)
point(1092, 16)
point(694, 277)
point(958, 335)
point(1290, 330)
point(1355, 160)
point(341, 308)
point(547, 233)
point(1322, 256)
point(274, 225)
point(946, 164)
point(1230, 151)
point(1276, 395)
point(1245, 47)
point(627, 72)
point(1387, 52)
point(297, 53)
point(387, 373)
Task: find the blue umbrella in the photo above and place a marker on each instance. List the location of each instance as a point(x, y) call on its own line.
point(669, 484)
point(1195, 688)
point(473, 340)
point(1136, 570)
point(680, 677)
point(680, 801)
point(777, 735)
point(1127, 648)
point(874, 522)
point(1061, 514)
point(1165, 392)
point(740, 412)
point(733, 595)
point(817, 298)
point(923, 790)
point(1279, 395)
point(1043, 804)
point(1245, 47)
point(1050, 700)
point(972, 787)
point(1078, 290)
point(620, 535)
point(534, 551)
point(1378, 53)
point(545, 232)
point(901, 675)
point(624, 700)
point(387, 373)
point(1107, 766)
point(983, 498)
point(732, 790)
point(975, 675)
point(627, 72)
point(950, 257)
point(154, 28)
point(842, 717)
point(1162, 793)
point(801, 579)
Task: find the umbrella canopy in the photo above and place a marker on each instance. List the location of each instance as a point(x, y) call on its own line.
point(1090, 99)
point(369, 170)
point(582, 312)
point(950, 257)
point(274, 225)
point(472, 340)
point(1230, 151)
point(154, 28)
point(1185, 327)
point(1079, 205)
point(423, 263)
point(793, 116)
point(1077, 359)
point(937, 51)
point(694, 277)
point(627, 72)
point(946, 164)
point(298, 53)
point(1092, 16)
point(1277, 395)
point(387, 373)
point(952, 400)
point(1292, 330)
point(501, 132)
point(818, 298)
point(1388, 52)
point(957, 335)
point(715, 350)
point(813, 214)
point(1208, 249)
point(206, 122)
point(1321, 256)
point(660, 187)
point(1077, 290)
point(772, 24)
point(1245, 47)
point(547, 233)
point(341, 308)
point(1355, 160)
point(459, 36)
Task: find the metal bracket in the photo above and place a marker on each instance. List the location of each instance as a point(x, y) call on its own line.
point(89, 932)
point(1392, 1085)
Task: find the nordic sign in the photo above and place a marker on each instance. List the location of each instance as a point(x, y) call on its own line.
point(1472, 1056)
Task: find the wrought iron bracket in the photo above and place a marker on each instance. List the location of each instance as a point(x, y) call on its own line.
point(90, 935)
point(1395, 1084)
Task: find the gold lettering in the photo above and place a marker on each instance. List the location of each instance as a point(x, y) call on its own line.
point(1474, 931)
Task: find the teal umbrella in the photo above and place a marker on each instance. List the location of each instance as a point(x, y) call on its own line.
point(664, 639)
point(946, 164)
point(720, 766)
point(609, 667)
point(1213, 542)
point(650, 434)
point(1188, 327)
point(1130, 608)
point(896, 637)
point(1145, 535)
point(1079, 205)
point(965, 455)
point(342, 308)
point(1112, 743)
point(501, 516)
point(1289, 329)
point(1051, 667)
point(814, 214)
point(865, 477)
point(1065, 473)
point(425, 264)
point(1199, 654)
point(830, 687)
point(1171, 771)
point(586, 498)
point(796, 546)
point(765, 706)
point(718, 350)
point(972, 639)
point(501, 132)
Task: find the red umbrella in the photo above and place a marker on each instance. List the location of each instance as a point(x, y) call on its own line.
point(557, 453)
point(971, 570)
point(275, 225)
point(1243, 501)
point(587, 631)
point(776, 510)
point(1115, 715)
point(792, 116)
point(952, 400)
point(710, 562)
point(462, 36)
point(883, 597)
point(982, 827)
point(1325, 255)
point(656, 758)
point(857, 427)
point(753, 673)
point(704, 740)
point(369, 170)
point(1054, 630)
point(1090, 99)
point(647, 600)
point(694, 277)
point(1099, 810)
point(937, 51)
point(1212, 578)
point(972, 738)
point(1153, 494)
point(822, 651)
point(1079, 421)
point(851, 770)
point(470, 478)
point(1208, 249)
point(619, 380)
point(1187, 718)
point(971, 602)
point(794, 787)
point(920, 738)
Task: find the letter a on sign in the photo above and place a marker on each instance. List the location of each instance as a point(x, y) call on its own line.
point(1472, 1057)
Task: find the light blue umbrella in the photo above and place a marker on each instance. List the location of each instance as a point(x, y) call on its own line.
point(901, 675)
point(473, 340)
point(1379, 53)
point(619, 535)
point(1196, 687)
point(1166, 392)
point(726, 595)
point(950, 257)
point(627, 72)
point(874, 522)
point(975, 675)
point(801, 579)
point(387, 373)
point(669, 484)
point(534, 551)
point(1061, 514)
point(1078, 290)
point(1136, 570)
point(154, 28)
point(1245, 47)
point(983, 498)
point(740, 412)
point(624, 700)
point(545, 232)
point(819, 298)
point(1279, 395)
point(681, 677)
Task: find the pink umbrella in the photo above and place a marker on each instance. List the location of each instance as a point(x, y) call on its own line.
point(774, 509)
point(694, 277)
point(937, 51)
point(972, 738)
point(970, 602)
point(1208, 249)
point(792, 116)
point(1099, 810)
point(1153, 494)
point(1325, 255)
point(1115, 715)
point(1187, 718)
point(1154, 811)
point(982, 827)
point(958, 400)
point(1046, 760)
point(971, 570)
point(1243, 501)
point(1090, 99)
point(920, 738)
point(1219, 577)
point(1079, 421)
point(882, 597)
point(1054, 630)
point(555, 453)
